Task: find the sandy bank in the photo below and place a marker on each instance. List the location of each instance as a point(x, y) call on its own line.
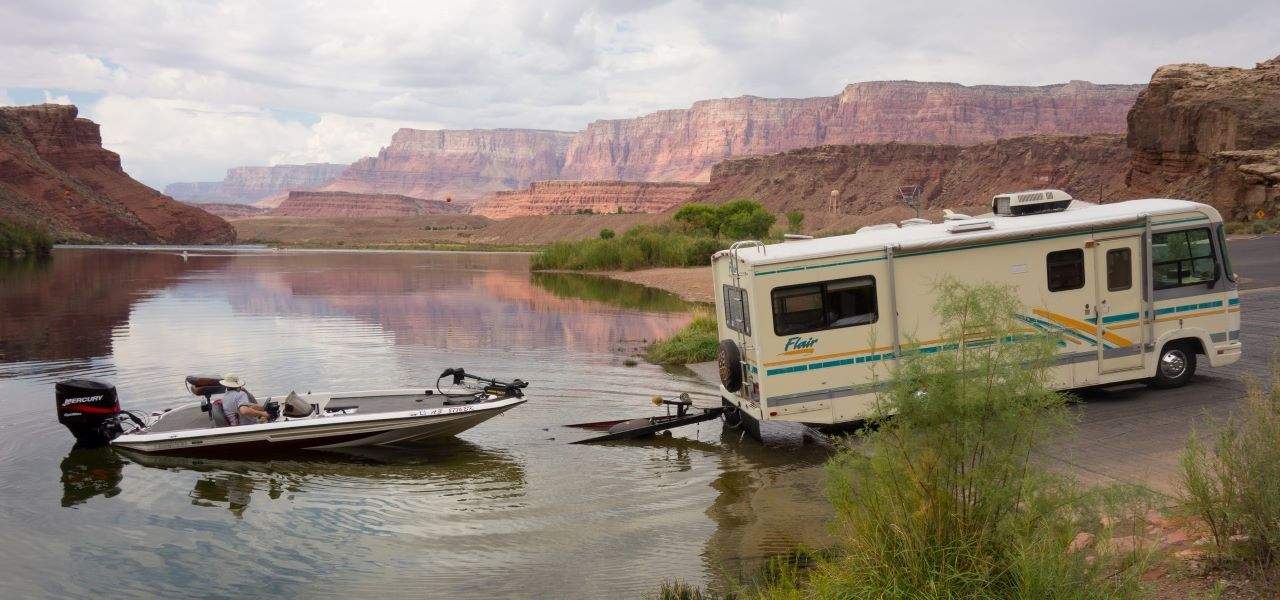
point(692, 283)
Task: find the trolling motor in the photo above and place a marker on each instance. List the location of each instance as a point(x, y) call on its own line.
point(90, 409)
point(491, 386)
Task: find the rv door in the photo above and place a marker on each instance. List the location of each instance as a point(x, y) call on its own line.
point(1119, 288)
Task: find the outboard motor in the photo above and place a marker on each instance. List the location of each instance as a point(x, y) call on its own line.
point(90, 409)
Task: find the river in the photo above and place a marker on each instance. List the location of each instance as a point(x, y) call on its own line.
point(508, 509)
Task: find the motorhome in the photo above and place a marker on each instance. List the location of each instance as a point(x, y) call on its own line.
point(1137, 290)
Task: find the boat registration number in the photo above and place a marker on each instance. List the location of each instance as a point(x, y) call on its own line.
point(440, 411)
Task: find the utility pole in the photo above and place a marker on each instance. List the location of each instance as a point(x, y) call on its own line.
point(910, 195)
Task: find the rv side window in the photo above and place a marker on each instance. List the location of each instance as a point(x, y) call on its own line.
point(827, 305)
point(1183, 258)
point(1119, 269)
point(1066, 270)
point(735, 309)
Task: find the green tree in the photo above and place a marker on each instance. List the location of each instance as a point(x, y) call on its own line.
point(606, 234)
point(744, 219)
point(795, 221)
point(698, 217)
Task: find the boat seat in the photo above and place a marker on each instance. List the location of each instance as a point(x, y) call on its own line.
point(294, 406)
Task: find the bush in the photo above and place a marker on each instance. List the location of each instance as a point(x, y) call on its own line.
point(944, 499)
point(795, 221)
point(695, 343)
point(637, 248)
point(23, 239)
point(606, 234)
point(1235, 489)
point(739, 219)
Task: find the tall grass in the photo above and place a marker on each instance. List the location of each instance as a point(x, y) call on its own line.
point(1234, 488)
point(18, 239)
point(696, 342)
point(639, 247)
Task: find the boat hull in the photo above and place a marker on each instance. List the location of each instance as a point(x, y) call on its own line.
point(318, 434)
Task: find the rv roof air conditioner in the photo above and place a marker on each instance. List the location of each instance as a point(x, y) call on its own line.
point(1029, 203)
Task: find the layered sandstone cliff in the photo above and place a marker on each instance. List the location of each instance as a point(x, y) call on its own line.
point(867, 177)
point(461, 165)
point(570, 197)
point(229, 210)
point(55, 173)
point(347, 204)
point(246, 185)
point(683, 144)
point(1212, 134)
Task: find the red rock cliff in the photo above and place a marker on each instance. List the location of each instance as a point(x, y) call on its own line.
point(246, 185)
point(1210, 134)
point(463, 165)
point(348, 204)
point(682, 145)
point(569, 197)
point(54, 172)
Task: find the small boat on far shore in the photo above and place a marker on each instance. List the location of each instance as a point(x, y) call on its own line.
point(323, 420)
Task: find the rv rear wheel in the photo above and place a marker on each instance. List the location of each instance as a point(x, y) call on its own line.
point(1175, 366)
point(730, 359)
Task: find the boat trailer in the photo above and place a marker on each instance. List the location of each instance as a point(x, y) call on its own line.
point(625, 429)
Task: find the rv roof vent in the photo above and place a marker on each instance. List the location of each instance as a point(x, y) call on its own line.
point(876, 227)
point(1029, 203)
point(950, 215)
point(970, 225)
point(910, 222)
point(795, 237)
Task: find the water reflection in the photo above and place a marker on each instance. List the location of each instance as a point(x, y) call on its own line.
point(90, 472)
point(609, 291)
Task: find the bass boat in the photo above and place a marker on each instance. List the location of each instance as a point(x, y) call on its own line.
point(91, 411)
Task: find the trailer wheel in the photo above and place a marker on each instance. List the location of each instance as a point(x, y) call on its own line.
point(730, 359)
point(1175, 366)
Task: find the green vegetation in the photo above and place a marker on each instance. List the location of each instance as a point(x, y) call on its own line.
point(696, 232)
point(695, 343)
point(16, 239)
point(1234, 490)
point(795, 222)
point(941, 497)
point(1257, 226)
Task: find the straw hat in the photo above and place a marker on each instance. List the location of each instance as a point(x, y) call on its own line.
point(231, 381)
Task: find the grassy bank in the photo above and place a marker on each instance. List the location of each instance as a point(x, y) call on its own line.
point(1255, 227)
point(689, 239)
point(696, 342)
point(23, 240)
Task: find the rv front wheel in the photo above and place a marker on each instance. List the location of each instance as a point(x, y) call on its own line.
point(1176, 365)
point(730, 362)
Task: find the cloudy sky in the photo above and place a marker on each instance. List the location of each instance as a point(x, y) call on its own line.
point(184, 90)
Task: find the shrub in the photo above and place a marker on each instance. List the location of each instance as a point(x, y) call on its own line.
point(23, 239)
point(944, 499)
point(606, 234)
point(637, 248)
point(795, 221)
point(1235, 488)
point(739, 219)
point(695, 343)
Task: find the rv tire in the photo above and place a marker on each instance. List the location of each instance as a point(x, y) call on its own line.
point(1175, 365)
point(730, 362)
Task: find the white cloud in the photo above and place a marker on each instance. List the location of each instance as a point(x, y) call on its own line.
point(555, 64)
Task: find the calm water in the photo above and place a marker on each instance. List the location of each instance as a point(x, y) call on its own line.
point(507, 510)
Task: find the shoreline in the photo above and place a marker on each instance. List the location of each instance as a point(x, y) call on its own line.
point(692, 284)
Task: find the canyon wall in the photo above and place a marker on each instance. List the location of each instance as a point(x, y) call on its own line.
point(55, 173)
point(326, 204)
point(230, 210)
point(866, 177)
point(246, 185)
point(462, 165)
point(683, 144)
point(570, 197)
point(1210, 134)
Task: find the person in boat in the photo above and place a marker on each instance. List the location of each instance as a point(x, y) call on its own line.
point(239, 405)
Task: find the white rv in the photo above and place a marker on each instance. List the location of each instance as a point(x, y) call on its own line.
point(1137, 289)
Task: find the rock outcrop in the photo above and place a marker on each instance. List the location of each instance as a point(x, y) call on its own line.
point(246, 185)
point(682, 145)
point(570, 197)
point(55, 173)
point(1210, 134)
point(230, 211)
point(462, 165)
point(348, 204)
point(867, 177)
